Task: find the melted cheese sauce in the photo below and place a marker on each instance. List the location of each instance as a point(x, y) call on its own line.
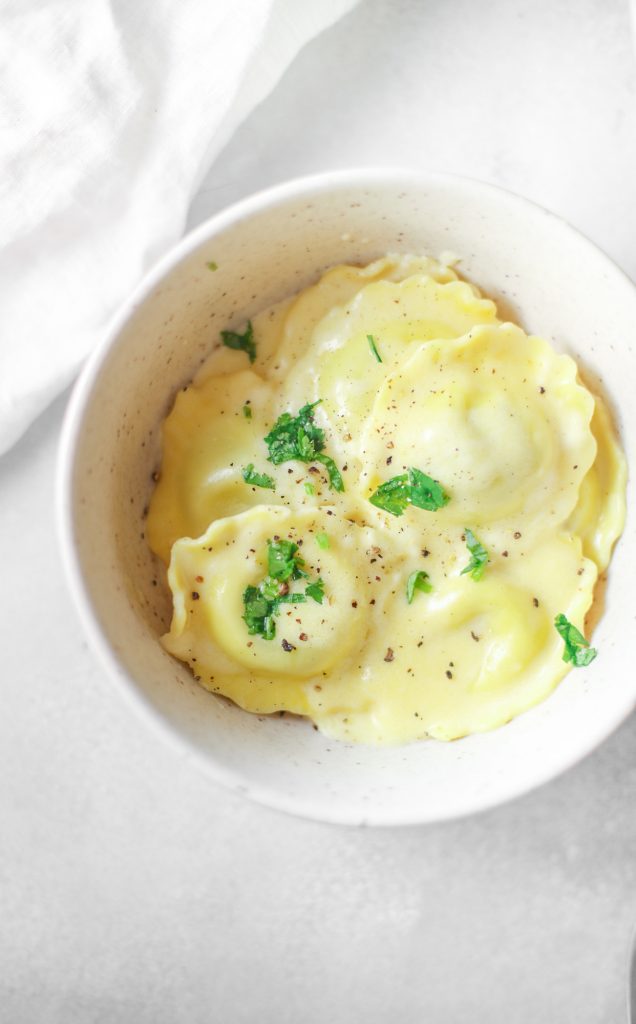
point(526, 453)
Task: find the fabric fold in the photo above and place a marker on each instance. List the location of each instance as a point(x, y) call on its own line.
point(111, 114)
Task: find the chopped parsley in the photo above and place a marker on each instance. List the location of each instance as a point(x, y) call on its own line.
point(261, 603)
point(577, 649)
point(478, 556)
point(322, 540)
point(392, 496)
point(211, 265)
point(374, 347)
point(295, 437)
point(316, 590)
point(425, 492)
point(241, 342)
point(411, 488)
point(336, 482)
point(258, 614)
point(257, 479)
point(309, 488)
point(247, 411)
point(298, 437)
point(418, 580)
point(283, 560)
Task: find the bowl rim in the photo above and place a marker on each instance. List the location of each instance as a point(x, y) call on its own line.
point(102, 645)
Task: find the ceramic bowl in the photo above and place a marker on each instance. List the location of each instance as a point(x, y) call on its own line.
point(543, 274)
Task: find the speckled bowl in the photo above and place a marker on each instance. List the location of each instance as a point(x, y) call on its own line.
point(543, 274)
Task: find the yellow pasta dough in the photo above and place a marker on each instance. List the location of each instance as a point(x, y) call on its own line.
point(359, 605)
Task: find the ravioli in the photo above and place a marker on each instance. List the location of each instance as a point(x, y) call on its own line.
point(496, 415)
point(422, 439)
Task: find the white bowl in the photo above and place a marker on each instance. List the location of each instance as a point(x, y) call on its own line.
point(542, 272)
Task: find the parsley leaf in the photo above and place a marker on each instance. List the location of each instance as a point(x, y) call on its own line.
point(425, 492)
point(241, 342)
point(291, 599)
point(270, 588)
point(335, 480)
point(392, 496)
point(309, 488)
point(577, 649)
point(261, 603)
point(247, 411)
point(322, 540)
point(478, 556)
point(258, 614)
point(298, 437)
point(373, 347)
point(257, 479)
point(283, 560)
point(412, 488)
point(418, 580)
point(295, 437)
point(316, 590)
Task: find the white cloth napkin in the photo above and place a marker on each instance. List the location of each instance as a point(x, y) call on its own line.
point(111, 111)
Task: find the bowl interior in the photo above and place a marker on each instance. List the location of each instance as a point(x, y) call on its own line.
point(541, 272)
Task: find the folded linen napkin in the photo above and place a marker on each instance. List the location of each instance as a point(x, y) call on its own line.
point(111, 112)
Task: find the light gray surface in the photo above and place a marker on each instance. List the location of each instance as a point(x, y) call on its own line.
point(131, 889)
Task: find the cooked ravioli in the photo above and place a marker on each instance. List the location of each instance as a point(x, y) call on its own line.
point(209, 576)
point(497, 416)
point(337, 367)
point(460, 441)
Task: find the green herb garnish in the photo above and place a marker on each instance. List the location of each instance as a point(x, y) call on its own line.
point(418, 580)
point(316, 590)
point(291, 599)
point(425, 492)
point(577, 649)
point(478, 556)
point(261, 603)
point(373, 347)
point(283, 560)
point(247, 411)
point(309, 488)
point(392, 496)
point(295, 437)
point(298, 437)
point(212, 265)
point(257, 479)
point(336, 482)
point(411, 488)
point(258, 614)
point(241, 342)
point(322, 540)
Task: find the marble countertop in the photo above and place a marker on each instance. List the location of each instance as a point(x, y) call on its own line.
point(132, 888)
